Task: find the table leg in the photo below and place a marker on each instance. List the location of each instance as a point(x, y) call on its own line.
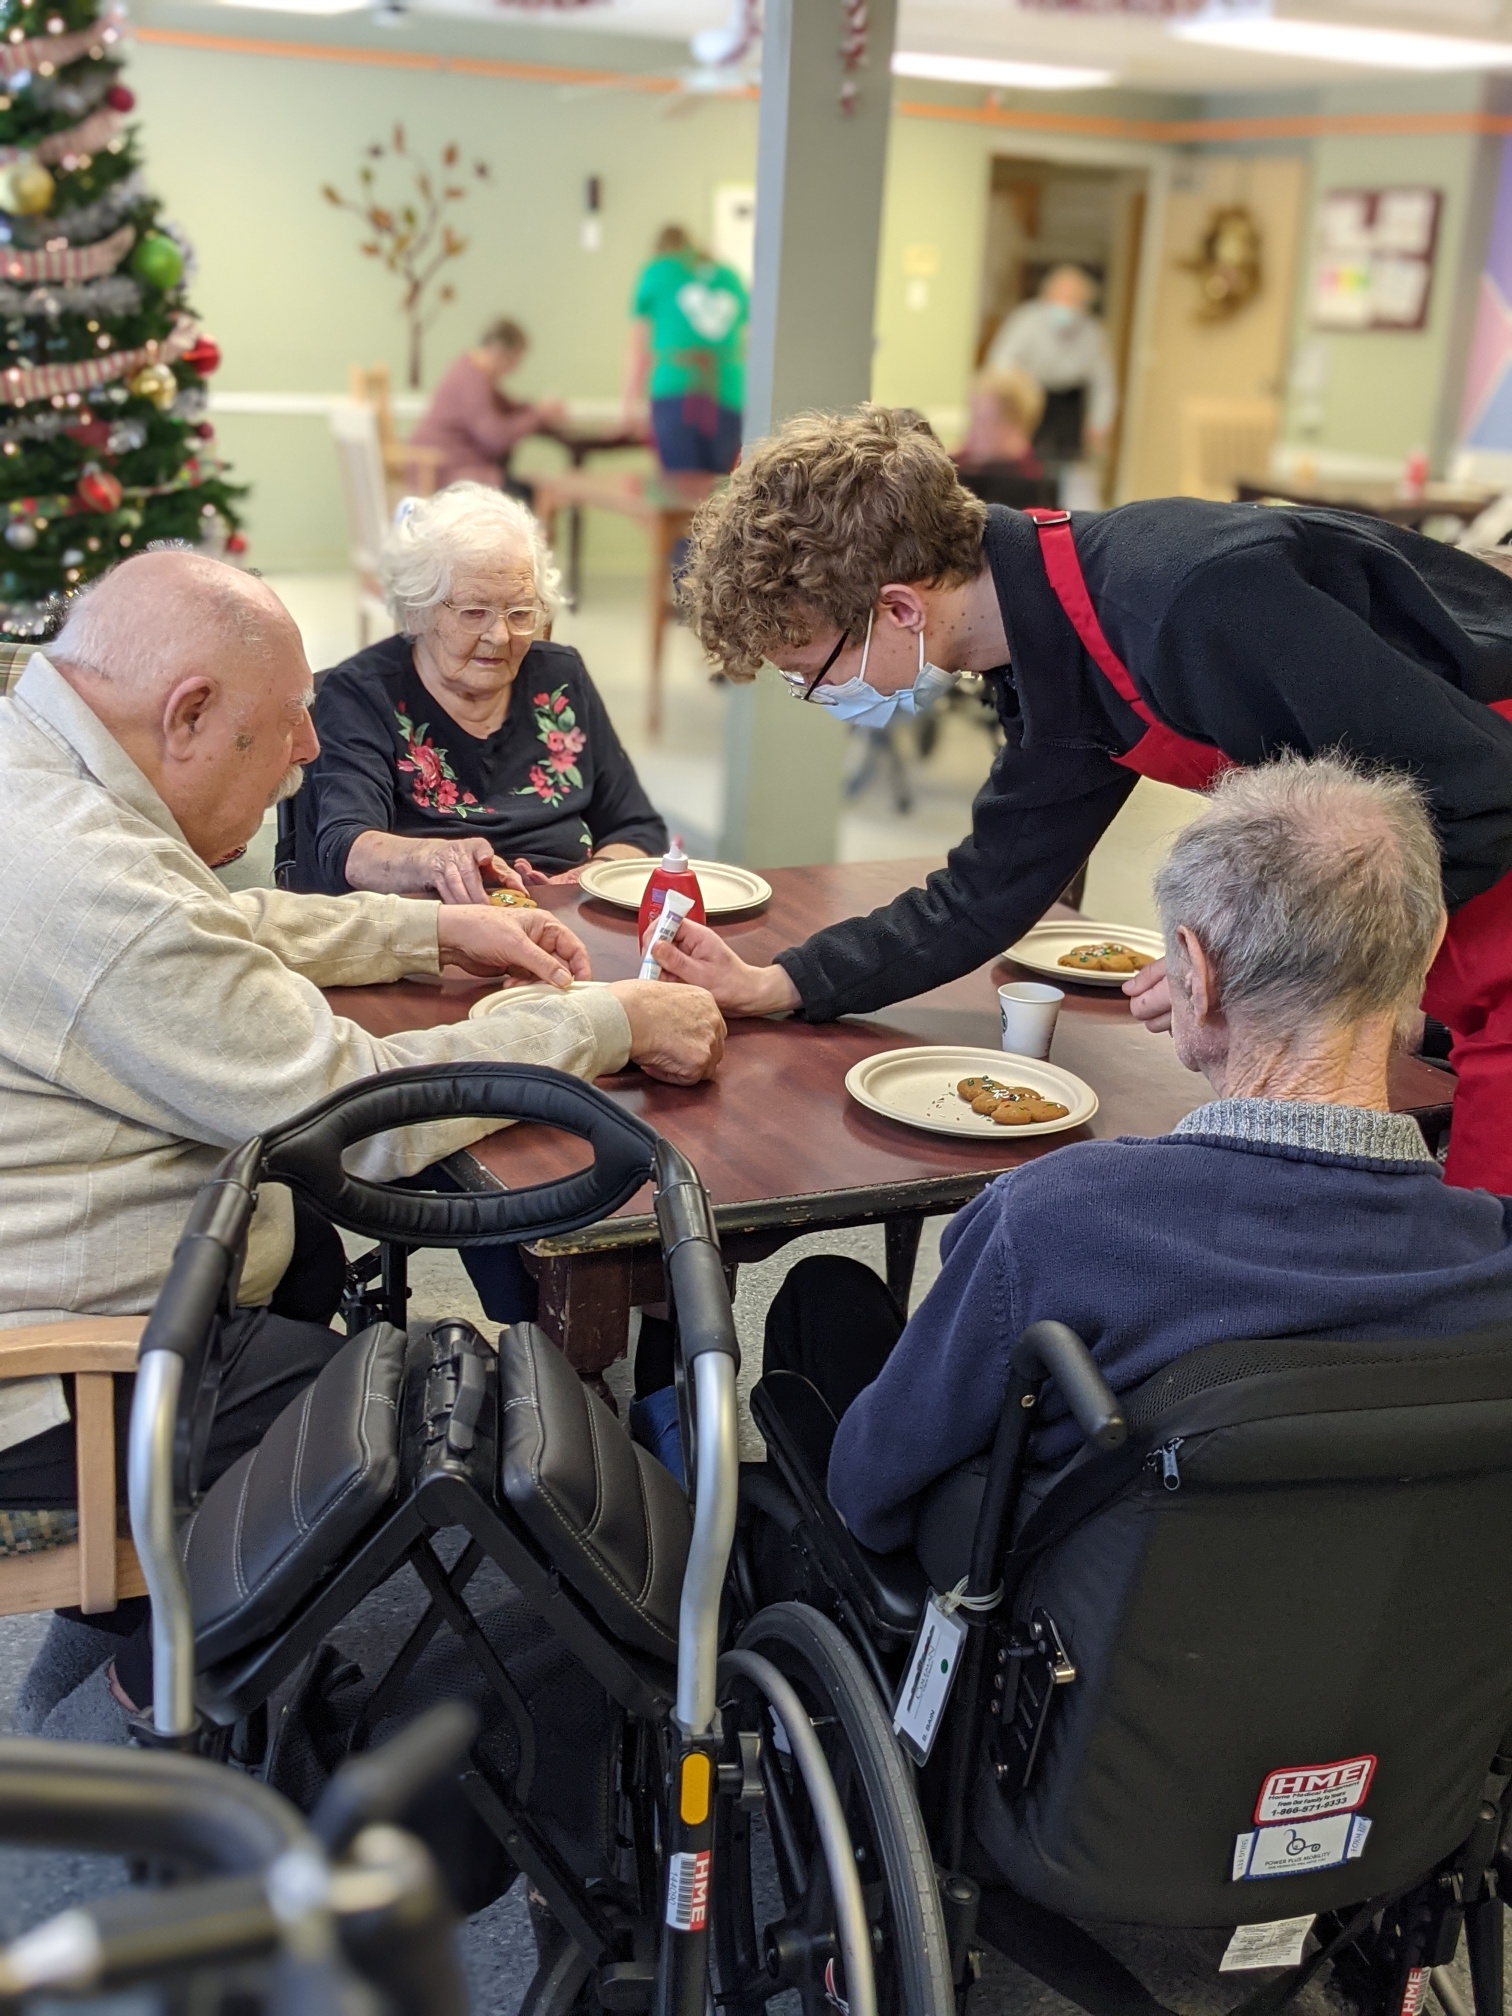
point(585, 1307)
point(902, 1241)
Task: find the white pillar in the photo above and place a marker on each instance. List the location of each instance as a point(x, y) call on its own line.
point(819, 174)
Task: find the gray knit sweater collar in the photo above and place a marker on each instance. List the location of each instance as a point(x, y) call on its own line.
point(1357, 1131)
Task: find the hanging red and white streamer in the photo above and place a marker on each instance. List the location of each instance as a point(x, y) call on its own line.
point(59, 49)
point(852, 50)
point(68, 262)
point(24, 382)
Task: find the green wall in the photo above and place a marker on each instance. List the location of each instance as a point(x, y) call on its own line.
point(238, 146)
point(1385, 389)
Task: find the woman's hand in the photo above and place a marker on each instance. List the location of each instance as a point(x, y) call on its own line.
point(701, 958)
point(530, 944)
point(458, 871)
point(1149, 993)
point(570, 877)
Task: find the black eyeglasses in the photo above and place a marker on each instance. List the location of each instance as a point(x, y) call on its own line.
point(795, 679)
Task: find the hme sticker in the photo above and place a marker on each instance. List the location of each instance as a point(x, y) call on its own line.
point(1310, 1791)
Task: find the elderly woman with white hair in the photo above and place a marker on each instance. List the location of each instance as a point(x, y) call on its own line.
point(466, 752)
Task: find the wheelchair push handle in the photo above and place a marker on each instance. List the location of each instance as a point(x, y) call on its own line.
point(690, 1247)
point(206, 1267)
point(309, 1154)
point(1054, 1351)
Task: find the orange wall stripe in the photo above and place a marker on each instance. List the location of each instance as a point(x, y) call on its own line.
point(1078, 125)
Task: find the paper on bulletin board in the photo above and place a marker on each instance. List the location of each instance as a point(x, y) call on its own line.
point(1373, 258)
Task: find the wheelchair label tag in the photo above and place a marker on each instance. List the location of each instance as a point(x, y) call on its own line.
point(1278, 1944)
point(928, 1681)
point(1310, 1844)
point(1309, 1791)
point(688, 1891)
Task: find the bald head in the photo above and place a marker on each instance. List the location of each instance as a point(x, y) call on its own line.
point(147, 621)
point(199, 673)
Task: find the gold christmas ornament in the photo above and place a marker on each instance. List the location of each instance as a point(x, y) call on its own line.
point(29, 189)
point(157, 383)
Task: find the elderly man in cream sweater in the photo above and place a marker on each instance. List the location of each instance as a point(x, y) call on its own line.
point(149, 1019)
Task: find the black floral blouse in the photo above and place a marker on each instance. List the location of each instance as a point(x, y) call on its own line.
point(552, 782)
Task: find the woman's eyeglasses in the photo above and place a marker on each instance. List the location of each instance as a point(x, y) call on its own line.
point(473, 621)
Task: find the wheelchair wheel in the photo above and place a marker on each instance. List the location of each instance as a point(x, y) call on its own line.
point(773, 1918)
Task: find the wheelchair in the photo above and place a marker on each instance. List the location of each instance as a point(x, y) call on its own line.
point(1245, 1659)
point(264, 1911)
point(616, 1741)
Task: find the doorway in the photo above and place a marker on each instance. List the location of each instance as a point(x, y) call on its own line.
point(1043, 214)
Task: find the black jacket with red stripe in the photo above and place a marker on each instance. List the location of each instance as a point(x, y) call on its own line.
point(1253, 629)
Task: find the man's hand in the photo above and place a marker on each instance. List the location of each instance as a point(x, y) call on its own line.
point(701, 958)
point(1149, 993)
point(531, 944)
point(676, 1033)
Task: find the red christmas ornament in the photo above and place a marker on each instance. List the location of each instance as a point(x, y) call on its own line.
point(204, 357)
point(119, 99)
point(205, 431)
point(236, 543)
point(98, 490)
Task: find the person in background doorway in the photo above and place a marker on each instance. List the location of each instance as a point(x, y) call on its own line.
point(997, 459)
point(687, 354)
point(1064, 348)
point(473, 421)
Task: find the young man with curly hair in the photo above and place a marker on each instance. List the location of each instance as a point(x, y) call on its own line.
point(1171, 639)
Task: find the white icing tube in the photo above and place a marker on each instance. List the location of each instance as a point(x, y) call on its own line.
point(675, 906)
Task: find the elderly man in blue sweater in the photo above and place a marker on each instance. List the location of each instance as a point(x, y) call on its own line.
point(1301, 912)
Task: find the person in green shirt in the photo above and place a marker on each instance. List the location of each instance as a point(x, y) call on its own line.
point(687, 338)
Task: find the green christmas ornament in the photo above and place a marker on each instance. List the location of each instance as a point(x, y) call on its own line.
point(157, 261)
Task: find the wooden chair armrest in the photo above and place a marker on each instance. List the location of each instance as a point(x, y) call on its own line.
point(397, 455)
point(78, 1344)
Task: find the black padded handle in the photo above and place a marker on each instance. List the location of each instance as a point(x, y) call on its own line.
point(690, 1247)
point(206, 1266)
point(1055, 1351)
point(307, 1154)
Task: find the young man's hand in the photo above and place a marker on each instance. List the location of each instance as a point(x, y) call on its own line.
point(676, 1033)
point(530, 944)
point(1149, 993)
point(701, 958)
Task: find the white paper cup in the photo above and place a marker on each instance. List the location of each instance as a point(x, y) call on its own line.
point(1028, 1009)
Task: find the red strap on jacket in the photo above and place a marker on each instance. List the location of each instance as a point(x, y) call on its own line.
point(1064, 573)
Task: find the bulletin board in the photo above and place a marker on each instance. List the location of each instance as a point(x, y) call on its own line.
point(1373, 258)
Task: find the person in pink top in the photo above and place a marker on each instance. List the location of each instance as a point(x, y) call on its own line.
point(473, 421)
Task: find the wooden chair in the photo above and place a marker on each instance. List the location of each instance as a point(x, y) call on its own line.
point(1223, 440)
point(408, 471)
point(49, 1559)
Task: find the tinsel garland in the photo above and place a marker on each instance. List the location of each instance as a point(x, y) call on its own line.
point(114, 294)
point(69, 262)
point(73, 96)
point(88, 222)
point(24, 382)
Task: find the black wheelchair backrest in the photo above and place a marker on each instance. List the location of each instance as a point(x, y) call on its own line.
point(1287, 1607)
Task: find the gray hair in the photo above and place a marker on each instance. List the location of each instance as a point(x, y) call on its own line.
point(432, 536)
point(1313, 887)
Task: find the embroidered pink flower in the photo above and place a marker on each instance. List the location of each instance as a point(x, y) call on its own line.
point(446, 795)
point(557, 774)
point(559, 705)
point(541, 783)
point(575, 741)
point(540, 699)
point(556, 741)
point(427, 762)
point(468, 798)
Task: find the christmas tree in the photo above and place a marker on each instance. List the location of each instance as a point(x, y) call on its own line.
point(104, 444)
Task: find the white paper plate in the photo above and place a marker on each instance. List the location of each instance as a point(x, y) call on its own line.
point(726, 889)
point(534, 990)
point(918, 1087)
point(1041, 948)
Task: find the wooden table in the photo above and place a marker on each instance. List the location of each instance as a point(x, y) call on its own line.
point(781, 1146)
point(580, 442)
point(1370, 500)
point(663, 503)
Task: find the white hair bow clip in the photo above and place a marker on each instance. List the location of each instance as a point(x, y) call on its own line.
point(403, 509)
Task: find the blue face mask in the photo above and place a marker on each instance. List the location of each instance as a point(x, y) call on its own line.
point(1062, 316)
point(856, 701)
